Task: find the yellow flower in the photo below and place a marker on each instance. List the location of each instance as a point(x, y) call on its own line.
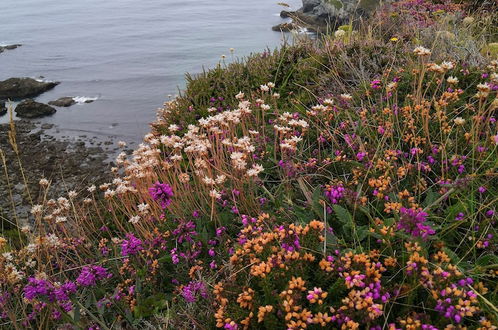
point(394, 39)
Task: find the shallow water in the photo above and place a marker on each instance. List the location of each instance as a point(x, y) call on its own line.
point(128, 54)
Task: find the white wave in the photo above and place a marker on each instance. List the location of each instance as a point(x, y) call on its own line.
point(83, 99)
point(303, 30)
point(40, 79)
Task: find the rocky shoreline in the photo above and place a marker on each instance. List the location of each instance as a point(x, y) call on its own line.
point(69, 165)
point(326, 15)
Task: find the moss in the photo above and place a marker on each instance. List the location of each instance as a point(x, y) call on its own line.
point(491, 50)
point(368, 5)
point(345, 28)
point(336, 3)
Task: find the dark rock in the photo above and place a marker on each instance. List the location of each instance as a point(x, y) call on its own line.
point(310, 5)
point(285, 27)
point(56, 160)
point(3, 108)
point(19, 88)
point(285, 14)
point(31, 109)
point(63, 102)
point(46, 126)
point(9, 47)
point(323, 15)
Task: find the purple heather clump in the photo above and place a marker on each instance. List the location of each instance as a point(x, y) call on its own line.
point(162, 193)
point(335, 193)
point(38, 288)
point(191, 291)
point(413, 222)
point(185, 231)
point(131, 245)
point(231, 326)
point(62, 293)
point(91, 274)
point(43, 289)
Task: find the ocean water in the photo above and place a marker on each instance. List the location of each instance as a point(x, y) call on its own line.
point(127, 54)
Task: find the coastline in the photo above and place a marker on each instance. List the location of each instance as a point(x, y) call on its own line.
point(69, 165)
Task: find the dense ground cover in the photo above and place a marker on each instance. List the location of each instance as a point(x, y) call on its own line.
point(345, 183)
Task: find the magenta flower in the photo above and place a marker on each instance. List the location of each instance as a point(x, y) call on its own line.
point(131, 245)
point(91, 274)
point(191, 291)
point(162, 193)
point(335, 193)
point(413, 222)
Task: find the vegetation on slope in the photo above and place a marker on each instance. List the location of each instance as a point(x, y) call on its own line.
point(345, 183)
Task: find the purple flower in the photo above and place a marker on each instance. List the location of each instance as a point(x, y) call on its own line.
point(185, 231)
point(190, 291)
point(131, 245)
point(37, 288)
point(334, 193)
point(361, 155)
point(413, 222)
point(162, 193)
point(91, 274)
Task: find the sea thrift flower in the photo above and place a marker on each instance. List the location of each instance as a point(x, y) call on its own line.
point(422, 51)
point(162, 193)
point(413, 222)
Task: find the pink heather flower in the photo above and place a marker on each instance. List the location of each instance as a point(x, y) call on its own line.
point(413, 222)
point(361, 155)
point(375, 84)
point(162, 193)
point(192, 290)
point(131, 245)
point(231, 326)
point(91, 274)
point(335, 193)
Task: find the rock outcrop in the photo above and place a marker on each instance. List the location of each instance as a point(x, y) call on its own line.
point(9, 47)
point(31, 109)
point(323, 15)
point(20, 88)
point(66, 101)
point(3, 108)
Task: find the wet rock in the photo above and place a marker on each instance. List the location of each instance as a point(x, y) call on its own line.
point(285, 14)
point(47, 126)
point(9, 47)
point(31, 109)
point(66, 101)
point(3, 108)
point(20, 88)
point(285, 27)
point(322, 15)
point(58, 161)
